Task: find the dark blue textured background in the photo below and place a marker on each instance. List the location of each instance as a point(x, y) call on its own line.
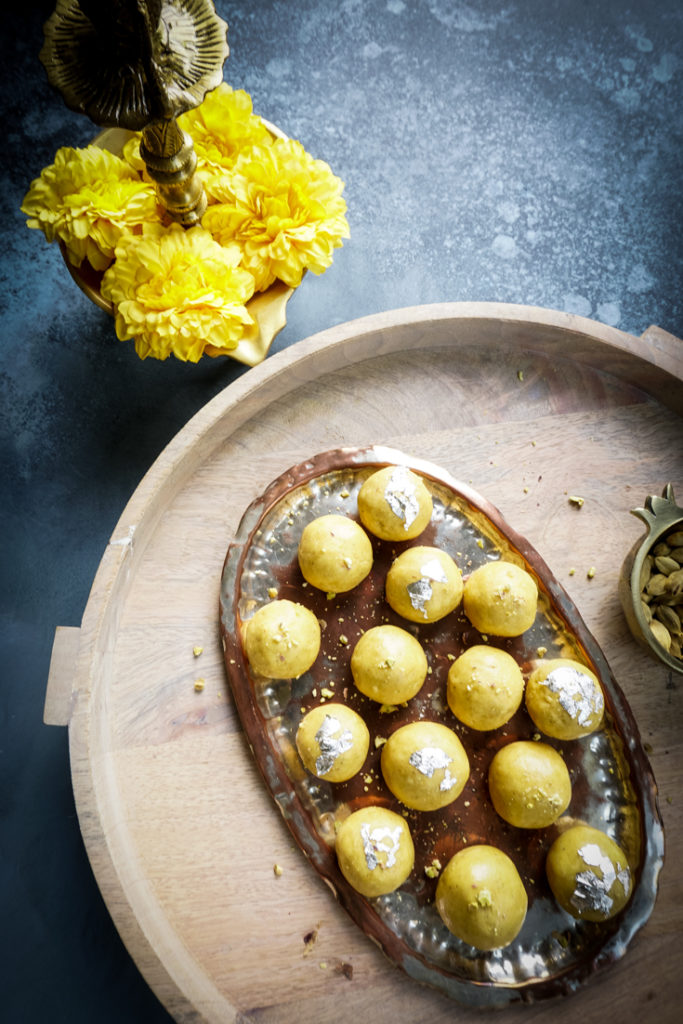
point(525, 152)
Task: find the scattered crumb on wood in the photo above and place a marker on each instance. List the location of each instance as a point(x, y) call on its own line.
point(310, 939)
point(342, 967)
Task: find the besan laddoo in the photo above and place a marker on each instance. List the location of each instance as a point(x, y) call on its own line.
point(394, 504)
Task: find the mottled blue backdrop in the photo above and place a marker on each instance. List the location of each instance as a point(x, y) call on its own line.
point(526, 152)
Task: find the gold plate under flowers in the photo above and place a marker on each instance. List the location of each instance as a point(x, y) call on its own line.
point(201, 286)
point(267, 308)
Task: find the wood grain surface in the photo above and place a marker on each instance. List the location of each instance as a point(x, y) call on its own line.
point(528, 406)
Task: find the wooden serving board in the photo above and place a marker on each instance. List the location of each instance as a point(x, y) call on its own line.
point(531, 407)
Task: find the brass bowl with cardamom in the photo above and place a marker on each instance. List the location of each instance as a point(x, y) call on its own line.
point(651, 581)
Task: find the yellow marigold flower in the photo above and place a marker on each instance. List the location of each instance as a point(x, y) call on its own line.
point(178, 292)
point(88, 198)
point(131, 154)
point(283, 208)
point(221, 127)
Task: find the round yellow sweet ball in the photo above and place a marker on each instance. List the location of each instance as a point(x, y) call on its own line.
point(564, 699)
point(481, 898)
point(333, 742)
point(281, 639)
point(423, 584)
point(335, 553)
point(375, 850)
point(425, 766)
point(588, 874)
point(485, 687)
point(529, 784)
point(388, 664)
point(500, 598)
point(394, 504)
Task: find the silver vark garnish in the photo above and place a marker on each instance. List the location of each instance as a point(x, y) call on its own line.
point(331, 744)
point(577, 693)
point(428, 760)
point(421, 590)
point(377, 841)
point(592, 892)
point(400, 496)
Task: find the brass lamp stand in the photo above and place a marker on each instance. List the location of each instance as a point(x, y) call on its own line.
point(138, 65)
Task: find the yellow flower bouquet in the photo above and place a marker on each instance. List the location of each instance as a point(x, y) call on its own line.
point(273, 212)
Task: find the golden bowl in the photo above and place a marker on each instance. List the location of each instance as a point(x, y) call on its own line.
point(663, 518)
point(267, 308)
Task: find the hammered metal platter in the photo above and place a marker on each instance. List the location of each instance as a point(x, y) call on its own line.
point(612, 784)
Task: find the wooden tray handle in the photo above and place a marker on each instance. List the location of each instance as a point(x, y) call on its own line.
point(59, 693)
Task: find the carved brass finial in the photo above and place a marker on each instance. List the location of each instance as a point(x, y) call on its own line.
point(139, 64)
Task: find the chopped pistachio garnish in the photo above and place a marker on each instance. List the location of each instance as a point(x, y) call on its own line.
point(484, 898)
point(591, 572)
point(574, 499)
point(197, 651)
point(432, 870)
point(272, 591)
point(326, 692)
point(199, 685)
point(379, 741)
point(541, 651)
point(277, 870)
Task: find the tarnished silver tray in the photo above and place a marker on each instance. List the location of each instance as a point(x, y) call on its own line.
point(612, 785)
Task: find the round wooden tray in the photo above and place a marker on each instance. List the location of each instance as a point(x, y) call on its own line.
point(531, 407)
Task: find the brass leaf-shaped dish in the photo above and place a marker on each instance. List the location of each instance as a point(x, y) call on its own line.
point(612, 785)
point(268, 309)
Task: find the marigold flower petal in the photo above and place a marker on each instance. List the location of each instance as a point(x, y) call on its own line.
point(87, 199)
point(178, 292)
point(284, 208)
point(221, 127)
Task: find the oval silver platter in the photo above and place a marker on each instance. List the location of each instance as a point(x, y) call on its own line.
point(612, 784)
